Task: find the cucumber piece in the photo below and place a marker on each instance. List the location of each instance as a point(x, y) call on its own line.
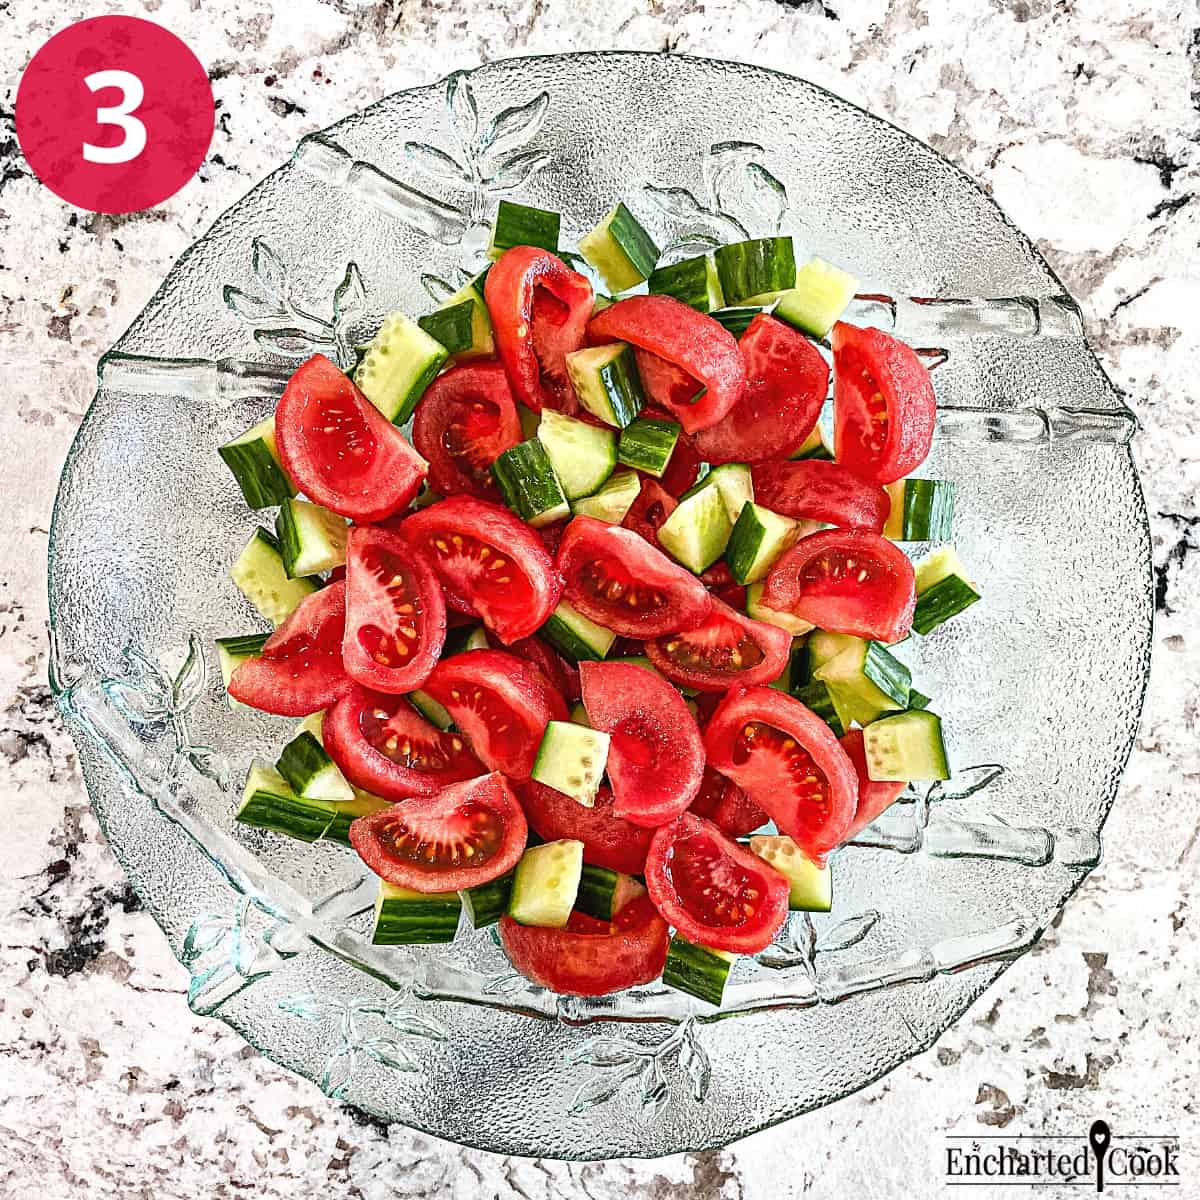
point(614, 499)
point(647, 445)
point(463, 638)
point(269, 803)
point(811, 883)
point(545, 884)
point(430, 709)
point(582, 455)
point(823, 646)
point(348, 811)
point(697, 532)
point(465, 332)
point(607, 382)
point(818, 298)
point(738, 317)
point(571, 759)
point(943, 590)
point(255, 464)
point(620, 249)
point(310, 771)
point(694, 281)
point(400, 362)
point(866, 681)
point(736, 485)
point(603, 893)
point(918, 700)
point(486, 903)
point(529, 485)
point(814, 446)
point(407, 918)
point(755, 267)
point(600, 302)
point(262, 578)
point(759, 537)
point(922, 510)
point(233, 651)
point(817, 695)
point(575, 635)
point(311, 538)
point(529, 422)
point(905, 747)
point(756, 609)
point(698, 970)
point(522, 225)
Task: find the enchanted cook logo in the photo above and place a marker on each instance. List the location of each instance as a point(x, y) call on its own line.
point(1097, 1160)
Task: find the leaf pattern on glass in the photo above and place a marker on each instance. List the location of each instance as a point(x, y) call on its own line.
point(515, 170)
point(437, 164)
point(269, 269)
point(846, 933)
point(438, 289)
point(464, 113)
point(965, 783)
point(513, 128)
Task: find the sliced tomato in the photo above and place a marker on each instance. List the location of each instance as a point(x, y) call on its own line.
point(383, 745)
point(884, 407)
point(466, 419)
point(551, 536)
point(845, 581)
point(539, 309)
point(339, 449)
point(655, 754)
point(395, 614)
point(300, 668)
point(665, 384)
point(501, 703)
point(786, 384)
point(712, 890)
point(787, 761)
point(722, 802)
point(720, 581)
point(727, 650)
point(490, 564)
point(874, 796)
point(590, 958)
point(608, 840)
point(461, 836)
point(815, 489)
point(620, 581)
point(687, 339)
point(654, 504)
point(563, 676)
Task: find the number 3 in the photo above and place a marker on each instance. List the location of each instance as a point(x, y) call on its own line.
point(132, 94)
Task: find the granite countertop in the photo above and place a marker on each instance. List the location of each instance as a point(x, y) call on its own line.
point(1083, 119)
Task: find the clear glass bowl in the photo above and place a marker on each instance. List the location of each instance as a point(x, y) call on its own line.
point(1044, 679)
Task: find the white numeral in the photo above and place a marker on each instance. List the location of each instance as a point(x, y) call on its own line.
point(132, 94)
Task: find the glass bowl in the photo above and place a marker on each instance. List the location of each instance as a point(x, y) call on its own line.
point(1040, 686)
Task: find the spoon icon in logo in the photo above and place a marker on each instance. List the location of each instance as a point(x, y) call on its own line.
point(1099, 1136)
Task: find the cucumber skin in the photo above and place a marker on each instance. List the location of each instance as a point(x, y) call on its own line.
point(560, 630)
point(690, 281)
point(647, 445)
point(696, 970)
point(523, 225)
point(488, 902)
point(816, 695)
point(411, 922)
point(755, 267)
point(304, 820)
point(528, 484)
point(258, 474)
point(452, 326)
point(943, 600)
point(926, 513)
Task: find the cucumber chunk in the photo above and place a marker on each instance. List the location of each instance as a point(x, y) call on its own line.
point(647, 445)
point(818, 298)
point(866, 681)
point(607, 382)
point(233, 651)
point(943, 590)
point(823, 646)
point(694, 281)
point(255, 464)
point(697, 532)
point(736, 485)
point(918, 699)
point(462, 324)
point(811, 884)
point(407, 918)
point(905, 747)
point(784, 620)
point(922, 510)
point(620, 249)
point(755, 267)
point(578, 637)
point(582, 455)
point(348, 811)
point(759, 537)
point(400, 362)
point(430, 709)
point(310, 771)
point(262, 578)
point(545, 884)
point(571, 759)
point(603, 893)
point(818, 696)
point(486, 903)
point(311, 538)
point(463, 638)
point(269, 803)
point(529, 485)
point(614, 499)
point(522, 225)
point(698, 970)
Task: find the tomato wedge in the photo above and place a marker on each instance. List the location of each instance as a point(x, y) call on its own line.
point(664, 383)
point(590, 958)
point(722, 802)
point(786, 384)
point(712, 890)
point(539, 309)
point(490, 564)
point(460, 837)
point(873, 796)
point(608, 840)
point(883, 402)
point(727, 650)
point(656, 754)
point(395, 614)
point(654, 504)
point(787, 761)
point(720, 581)
point(563, 677)
point(617, 579)
point(502, 705)
point(845, 581)
point(815, 489)
point(339, 449)
point(383, 745)
point(466, 419)
point(687, 339)
point(300, 668)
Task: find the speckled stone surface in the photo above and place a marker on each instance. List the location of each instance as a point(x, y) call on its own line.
point(1083, 119)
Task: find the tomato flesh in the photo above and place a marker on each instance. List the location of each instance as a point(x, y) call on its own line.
point(713, 890)
point(608, 840)
point(562, 676)
point(814, 489)
point(461, 836)
point(722, 802)
point(647, 514)
point(874, 796)
point(846, 581)
point(787, 761)
point(339, 449)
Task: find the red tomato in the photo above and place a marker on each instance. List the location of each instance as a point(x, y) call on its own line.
point(460, 837)
point(300, 668)
point(786, 384)
point(720, 581)
point(712, 890)
point(873, 796)
point(502, 705)
point(845, 581)
point(540, 310)
point(722, 802)
point(383, 745)
point(563, 676)
point(727, 650)
point(617, 579)
point(786, 759)
point(608, 840)
point(464, 422)
point(688, 339)
point(815, 489)
point(339, 449)
point(654, 504)
point(883, 404)
point(656, 754)
point(664, 383)
point(590, 958)
point(551, 536)
point(490, 563)
point(395, 614)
